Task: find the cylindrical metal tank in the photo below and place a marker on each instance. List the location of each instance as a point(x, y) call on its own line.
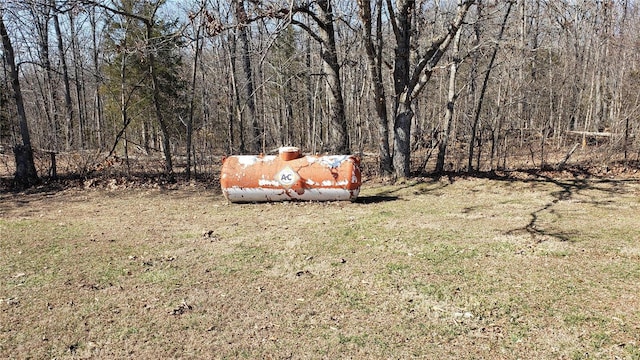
point(290, 176)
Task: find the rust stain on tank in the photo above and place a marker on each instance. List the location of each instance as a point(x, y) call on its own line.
point(290, 176)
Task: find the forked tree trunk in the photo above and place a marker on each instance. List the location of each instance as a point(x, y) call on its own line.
point(410, 80)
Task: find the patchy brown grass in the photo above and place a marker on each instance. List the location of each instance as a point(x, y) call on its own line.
point(471, 268)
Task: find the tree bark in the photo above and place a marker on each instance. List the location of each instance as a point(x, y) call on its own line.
point(403, 113)
point(310, 105)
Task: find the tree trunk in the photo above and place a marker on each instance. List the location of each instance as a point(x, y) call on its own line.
point(524, 119)
point(123, 109)
point(374, 57)
point(79, 84)
point(310, 123)
point(451, 100)
point(402, 141)
point(26, 174)
point(232, 100)
point(339, 137)
point(241, 18)
point(196, 58)
point(68, 105)
point(237, 106)
point(403, 112)
point(97, 97)
point(50, 91)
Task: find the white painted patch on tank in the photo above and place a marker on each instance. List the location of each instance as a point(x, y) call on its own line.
point(267, 182)
point(286, 149)
point(333, 161)
point(327, 183)
point(247, 160)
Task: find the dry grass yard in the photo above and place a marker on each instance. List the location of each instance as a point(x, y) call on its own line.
point(467, 268)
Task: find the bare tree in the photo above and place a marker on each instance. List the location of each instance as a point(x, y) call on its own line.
point(410, 79)
point(26, 174)
point(485, 84)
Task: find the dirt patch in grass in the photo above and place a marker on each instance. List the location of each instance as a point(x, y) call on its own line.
point(460, 268)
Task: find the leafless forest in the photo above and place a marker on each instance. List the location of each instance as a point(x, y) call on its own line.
point(418, 86)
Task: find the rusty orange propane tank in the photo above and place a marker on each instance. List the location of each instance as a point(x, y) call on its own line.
point(290, 176)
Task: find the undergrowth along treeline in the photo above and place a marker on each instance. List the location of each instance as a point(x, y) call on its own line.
point(95, 168)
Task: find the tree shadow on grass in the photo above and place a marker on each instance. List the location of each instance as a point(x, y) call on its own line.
point(374, 199)
point(570, 182)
